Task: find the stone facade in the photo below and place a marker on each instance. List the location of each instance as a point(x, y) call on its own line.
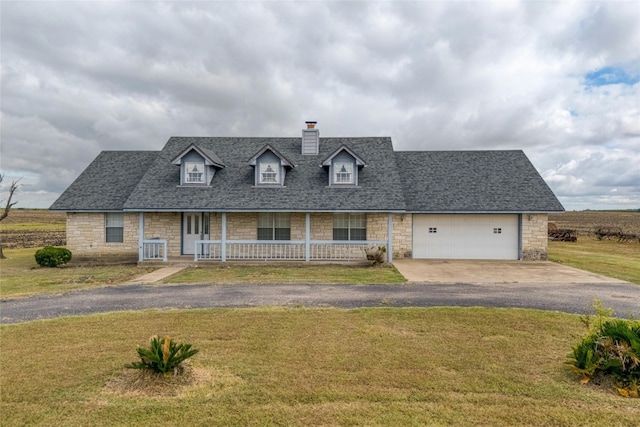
point(534, 236)
point(378, 226)
point(321, 226)
point(242, 226)
point(86, 232)
point(402, 236)
point(86, 236)
point(166, 226)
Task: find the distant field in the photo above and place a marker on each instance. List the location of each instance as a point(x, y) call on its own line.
point(33, 228)
point(585, 222)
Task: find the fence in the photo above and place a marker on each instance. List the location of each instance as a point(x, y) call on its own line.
point(154, 249)
point(319, 250)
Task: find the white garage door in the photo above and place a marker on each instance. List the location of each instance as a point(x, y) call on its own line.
point(465, 236)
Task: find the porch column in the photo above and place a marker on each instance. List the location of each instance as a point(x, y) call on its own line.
point(223, 235)
point(389, 238)
point(307, 237)
point(140, 236)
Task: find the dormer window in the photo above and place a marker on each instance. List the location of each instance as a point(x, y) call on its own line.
point(343, 172)
point(269, 173)
point(270, 167)
point(344, 166)
point(198, 165)
point(194, 173)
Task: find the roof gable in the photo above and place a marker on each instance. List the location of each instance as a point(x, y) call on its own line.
point(283, 160)
point(328, 159)
point(210, 158)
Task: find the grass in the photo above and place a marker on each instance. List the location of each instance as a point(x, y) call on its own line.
point(33, 226)
point(382, 366)
point(21, 276)
point(613, 259)
point(268, 273)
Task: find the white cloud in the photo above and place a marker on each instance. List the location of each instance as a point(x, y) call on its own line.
point(82, 77)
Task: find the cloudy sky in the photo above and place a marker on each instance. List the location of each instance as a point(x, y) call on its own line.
point(559, 80)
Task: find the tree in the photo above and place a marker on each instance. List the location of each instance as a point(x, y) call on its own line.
point(12, 188)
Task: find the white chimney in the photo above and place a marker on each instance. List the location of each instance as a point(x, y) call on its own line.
point(310, 139)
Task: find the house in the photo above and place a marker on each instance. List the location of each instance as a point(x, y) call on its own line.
point(306, 199)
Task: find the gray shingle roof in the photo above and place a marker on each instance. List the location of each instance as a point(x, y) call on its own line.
point(473, 181)
point(306, 186)
point(107, 182)
point(415, 181)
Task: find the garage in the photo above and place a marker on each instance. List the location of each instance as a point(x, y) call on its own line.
point(465, 236)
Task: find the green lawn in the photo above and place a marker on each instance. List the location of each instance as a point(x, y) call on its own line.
point(291, 273)
point(613, 259)
point(21, 276)
point(302, 367)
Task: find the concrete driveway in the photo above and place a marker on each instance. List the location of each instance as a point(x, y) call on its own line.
point(478, 272)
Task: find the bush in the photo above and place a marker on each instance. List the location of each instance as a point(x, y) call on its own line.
point(163, 356)
point(377, 255)
point(52, 257)
point(610, 350)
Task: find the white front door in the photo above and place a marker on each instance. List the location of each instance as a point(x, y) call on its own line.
point(195, 226)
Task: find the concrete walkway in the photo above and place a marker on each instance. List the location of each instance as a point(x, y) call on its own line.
point(156, 276)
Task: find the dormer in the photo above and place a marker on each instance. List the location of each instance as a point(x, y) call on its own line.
point(343, 165)
point(270, 167)
point(197, 166)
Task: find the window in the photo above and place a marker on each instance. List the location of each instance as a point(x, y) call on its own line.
point(114, 227)
point(497, 231)
point(350, 226)
point(194, 173)
point(269, 173)
point(274, 226)
point(433, 229)
point(343, 173)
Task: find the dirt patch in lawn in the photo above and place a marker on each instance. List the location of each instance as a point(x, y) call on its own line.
point(140, 383)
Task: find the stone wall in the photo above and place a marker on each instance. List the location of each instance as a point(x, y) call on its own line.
point(242, 226)
point(378, 225)
point(402, 235)
point(86, 235)
point(86, 231)
point(165, 226)
point(321, 226)
point(534, 236)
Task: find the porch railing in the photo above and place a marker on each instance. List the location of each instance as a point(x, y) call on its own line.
point(295, 250)
point(154, 249)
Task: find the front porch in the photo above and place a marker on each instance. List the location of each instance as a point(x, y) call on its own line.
point(275, 250)
point(234, 237)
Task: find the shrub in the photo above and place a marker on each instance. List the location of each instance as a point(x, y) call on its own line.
point(376, 255)
point(611, 350)
point(52, 257)
point(163, 356)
